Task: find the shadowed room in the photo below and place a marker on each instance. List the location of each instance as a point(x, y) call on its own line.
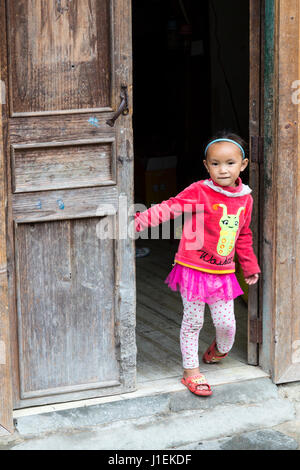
point(190, 80)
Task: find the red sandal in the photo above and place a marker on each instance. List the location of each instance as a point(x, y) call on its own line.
point(210, 355)
point(193, 382)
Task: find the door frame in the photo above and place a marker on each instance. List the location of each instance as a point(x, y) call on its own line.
point(268, 258)
point(6, 396)
point(6, 401)
point(256, 131)
point(281, 142)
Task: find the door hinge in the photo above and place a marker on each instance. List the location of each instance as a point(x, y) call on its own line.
point(256, 330)
point(257, 149)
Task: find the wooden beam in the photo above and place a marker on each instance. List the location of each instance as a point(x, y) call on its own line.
point(281, 245)
point(255, 119)
point(268, 256)
point(6, 406)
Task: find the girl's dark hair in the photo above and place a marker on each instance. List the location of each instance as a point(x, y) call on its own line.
point(228, 134)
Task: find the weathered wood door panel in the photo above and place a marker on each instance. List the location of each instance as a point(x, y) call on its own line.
point(68, 47)
point(66, 311)
point(256, 120)
point(6, 406)
point(282, 253)
point(71, 293)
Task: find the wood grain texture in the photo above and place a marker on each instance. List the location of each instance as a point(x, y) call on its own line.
point(39, 167)
point(255, 120)
point(266, 353)
point(46, 122)
point(65, 307)
point(125, 251)
point(67, 49)
point(285, 360)
point(65, 204)
point(6, 406)
point(60, 128)
point(287, 320)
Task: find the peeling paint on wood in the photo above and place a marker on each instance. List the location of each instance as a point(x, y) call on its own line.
point(60, 203)
point(61, 8)
point(94, 121)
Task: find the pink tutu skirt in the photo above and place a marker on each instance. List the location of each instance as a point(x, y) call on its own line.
point(206, 287)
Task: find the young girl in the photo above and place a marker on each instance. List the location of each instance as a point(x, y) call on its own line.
point(206, 275)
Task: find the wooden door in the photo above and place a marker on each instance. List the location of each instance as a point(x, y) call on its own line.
point(71, 291)
point(256, 131)
point(281, 350)
point(6, 406)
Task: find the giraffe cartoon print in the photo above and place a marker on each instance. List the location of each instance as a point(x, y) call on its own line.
point(229, 224)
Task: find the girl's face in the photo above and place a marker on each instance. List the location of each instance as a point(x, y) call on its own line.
point(224, 162)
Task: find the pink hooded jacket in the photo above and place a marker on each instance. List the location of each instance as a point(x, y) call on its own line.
point(216, 225)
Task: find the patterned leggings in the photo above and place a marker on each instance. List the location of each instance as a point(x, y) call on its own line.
point(222, 313)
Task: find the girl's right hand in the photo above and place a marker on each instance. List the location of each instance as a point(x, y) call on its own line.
point(252, 279)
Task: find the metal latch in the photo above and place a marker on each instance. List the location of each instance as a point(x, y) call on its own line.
point(123, 108)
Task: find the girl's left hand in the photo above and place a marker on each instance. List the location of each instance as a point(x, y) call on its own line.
point(252, 279)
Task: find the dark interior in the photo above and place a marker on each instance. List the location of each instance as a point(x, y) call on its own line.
point(190, 80)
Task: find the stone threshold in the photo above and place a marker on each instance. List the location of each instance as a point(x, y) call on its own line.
point(216, 374)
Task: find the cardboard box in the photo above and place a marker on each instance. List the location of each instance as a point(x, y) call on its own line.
point(155, 179)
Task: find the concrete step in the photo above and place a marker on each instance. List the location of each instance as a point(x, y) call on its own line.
point(162, 421)
point(166, 431)
point(262, 439)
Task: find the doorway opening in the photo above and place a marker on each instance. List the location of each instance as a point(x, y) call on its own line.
point(190, 79)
